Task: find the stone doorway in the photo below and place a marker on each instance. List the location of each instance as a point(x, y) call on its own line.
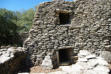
point(65, 57)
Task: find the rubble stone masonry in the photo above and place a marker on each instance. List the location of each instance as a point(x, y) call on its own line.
point(88, 27)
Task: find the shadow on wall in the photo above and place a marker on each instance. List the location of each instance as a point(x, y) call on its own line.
point(110, 72)
point(26, 65)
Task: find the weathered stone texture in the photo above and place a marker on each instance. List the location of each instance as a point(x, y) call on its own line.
point(11, 59)
point(90, 28)
point(87, 64)
point(47, 63)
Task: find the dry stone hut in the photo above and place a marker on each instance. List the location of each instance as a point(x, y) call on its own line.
point(61, 29)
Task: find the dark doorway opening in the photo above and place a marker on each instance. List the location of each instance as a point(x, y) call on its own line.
point(65, 56)
point(64, 18)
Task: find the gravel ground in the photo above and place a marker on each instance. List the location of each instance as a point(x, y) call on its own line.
point(38, 69)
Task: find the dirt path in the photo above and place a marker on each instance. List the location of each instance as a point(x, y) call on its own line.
point(38, 69)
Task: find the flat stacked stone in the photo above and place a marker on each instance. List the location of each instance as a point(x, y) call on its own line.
point(89, 29)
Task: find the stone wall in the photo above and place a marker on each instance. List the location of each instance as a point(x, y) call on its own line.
point(46, 34)
point(89, 29)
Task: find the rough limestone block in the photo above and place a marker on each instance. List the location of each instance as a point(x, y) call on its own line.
point(47, 63)
point(106, 55)
point(83, 53)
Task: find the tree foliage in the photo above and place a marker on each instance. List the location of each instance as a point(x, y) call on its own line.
point(24, 20)
point(7, 22)
point(14, 23)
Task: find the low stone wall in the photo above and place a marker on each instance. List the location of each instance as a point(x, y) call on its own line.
point(11, 60)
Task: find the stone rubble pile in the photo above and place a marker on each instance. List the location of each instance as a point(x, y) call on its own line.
point(11, 59)
point(88, 64)
point(8, 53)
